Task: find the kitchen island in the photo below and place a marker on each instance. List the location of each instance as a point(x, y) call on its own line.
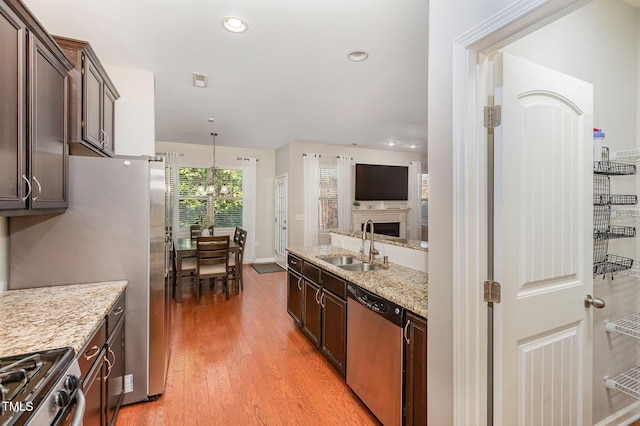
point(45, 318)
point(405, 286)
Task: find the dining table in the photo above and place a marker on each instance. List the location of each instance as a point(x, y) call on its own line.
point(187, 247)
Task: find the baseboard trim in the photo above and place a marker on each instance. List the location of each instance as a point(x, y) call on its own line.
point(265, 260)
point(626, 416)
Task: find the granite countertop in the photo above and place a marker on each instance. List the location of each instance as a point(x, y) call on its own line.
point(386, 239)
point(54, 317)
point(405, 286)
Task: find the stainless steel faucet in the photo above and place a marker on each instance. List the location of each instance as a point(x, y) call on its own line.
point(372, 249)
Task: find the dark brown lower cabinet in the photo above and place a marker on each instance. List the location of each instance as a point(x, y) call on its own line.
point(415, 377)
point(294, 296)
point(312, 312)
point(334, 329)
point(93, 388)
point(114, 385)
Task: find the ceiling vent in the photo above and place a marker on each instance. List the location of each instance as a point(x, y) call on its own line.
point(200, 80)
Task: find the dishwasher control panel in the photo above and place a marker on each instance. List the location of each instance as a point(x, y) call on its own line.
point(376, 303)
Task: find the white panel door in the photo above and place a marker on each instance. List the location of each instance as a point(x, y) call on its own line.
point(281, 220)
point(543, 238)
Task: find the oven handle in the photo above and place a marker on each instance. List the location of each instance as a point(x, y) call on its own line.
point(81, 405)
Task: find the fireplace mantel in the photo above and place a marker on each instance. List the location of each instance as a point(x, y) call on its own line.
point(360, 216)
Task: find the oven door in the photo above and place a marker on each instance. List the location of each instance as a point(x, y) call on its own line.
point(73, 414)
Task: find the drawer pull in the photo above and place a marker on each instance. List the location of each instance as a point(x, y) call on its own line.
point(118, 311)
point(293, 262)
point(92, 352)
point(406, 329)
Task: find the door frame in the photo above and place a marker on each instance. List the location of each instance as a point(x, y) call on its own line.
point(470, 191)
point(284, 176)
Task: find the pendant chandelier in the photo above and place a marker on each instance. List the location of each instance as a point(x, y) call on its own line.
point(210, 188)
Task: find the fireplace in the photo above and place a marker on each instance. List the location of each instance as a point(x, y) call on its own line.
point(390, 221)
point(385, 228)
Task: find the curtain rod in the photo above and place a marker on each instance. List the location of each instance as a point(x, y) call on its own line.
point(315, 155)
point(246, 159)
point(340, 156)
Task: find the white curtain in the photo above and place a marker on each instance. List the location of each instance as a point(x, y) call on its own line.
point(414, 225)
point(249, 183)
point(344, 192)
point(311, 172)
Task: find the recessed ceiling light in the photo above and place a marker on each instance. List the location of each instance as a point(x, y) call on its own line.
point(391, 143)
point(234, 24)
point(357, 56)
point(413, 146)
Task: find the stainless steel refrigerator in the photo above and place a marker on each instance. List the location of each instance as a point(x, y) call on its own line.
point(113, 229)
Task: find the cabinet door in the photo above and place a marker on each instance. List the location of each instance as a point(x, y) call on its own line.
point(115, 373)
point(108, 124)
point(415, 379)
point(334, 329)
point(48, 136)
point(294, 297)
point(92, 92)
point(93, 390)
point(13, 185)
point(311, 322)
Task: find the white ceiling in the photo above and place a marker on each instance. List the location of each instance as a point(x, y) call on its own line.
point(286, 79)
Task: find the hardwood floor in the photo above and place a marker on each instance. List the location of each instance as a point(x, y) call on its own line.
point(242, 362)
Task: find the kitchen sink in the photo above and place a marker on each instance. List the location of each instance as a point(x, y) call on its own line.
point(341, 260)
point(360, 267)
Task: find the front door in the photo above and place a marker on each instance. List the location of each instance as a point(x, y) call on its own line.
point(281, 220)
point(543, 246)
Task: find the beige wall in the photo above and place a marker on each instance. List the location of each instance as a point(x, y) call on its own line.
point(4, 253)
point(200, 155)
point(329, 155)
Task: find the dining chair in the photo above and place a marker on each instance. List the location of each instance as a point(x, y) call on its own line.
point(195, 231)
point(236, 234)
point(212, 255)
point(236, 270)
point(185, 274)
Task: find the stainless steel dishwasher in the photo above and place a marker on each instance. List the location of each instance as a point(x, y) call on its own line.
point(374, 353)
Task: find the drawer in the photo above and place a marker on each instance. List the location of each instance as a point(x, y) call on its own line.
point(90, 353)
point(115, 313)
point(311, 272)
point(335, 285)
point(294, 263)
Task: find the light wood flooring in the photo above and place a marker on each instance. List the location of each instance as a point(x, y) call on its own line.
point(243, 362)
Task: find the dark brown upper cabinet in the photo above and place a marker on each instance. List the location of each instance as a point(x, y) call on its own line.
point(33, 116)
point(91, 101)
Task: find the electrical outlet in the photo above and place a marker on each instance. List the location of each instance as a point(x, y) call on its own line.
point(128, 383)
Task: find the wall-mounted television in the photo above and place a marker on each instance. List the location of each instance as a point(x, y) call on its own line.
point(375, 182)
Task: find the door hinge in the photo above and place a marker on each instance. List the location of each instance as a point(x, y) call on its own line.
point(492, 116)
point(492, 292)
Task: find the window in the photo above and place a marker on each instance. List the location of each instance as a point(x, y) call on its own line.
point(225, 206)
point(328, 199)
point(425, 199)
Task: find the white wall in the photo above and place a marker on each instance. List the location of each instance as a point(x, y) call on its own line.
point(329, 155)
point(599, 44)
point(448, 20)
point(135, 110)
point(195, 155)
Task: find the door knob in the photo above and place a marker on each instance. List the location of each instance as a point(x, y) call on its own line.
point(593, 301)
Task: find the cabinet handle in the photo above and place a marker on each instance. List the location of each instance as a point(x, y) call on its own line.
point(293, 262)
point(35, 179)
point(88, 354)
point(406, 329)
point(109, 366)
point(300, 283)
point(118, 311)
point(322, 300)
point(29, 191)
point(317, 293)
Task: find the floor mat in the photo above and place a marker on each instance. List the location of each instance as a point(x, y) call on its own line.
point(265, 268)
